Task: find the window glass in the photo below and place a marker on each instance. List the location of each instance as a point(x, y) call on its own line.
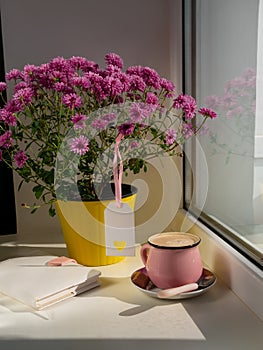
point(227, 76)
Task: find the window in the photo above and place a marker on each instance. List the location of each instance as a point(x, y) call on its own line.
point(7, 208)
point(223, 50)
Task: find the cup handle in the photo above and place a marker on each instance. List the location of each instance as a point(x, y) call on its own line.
point(144, 252)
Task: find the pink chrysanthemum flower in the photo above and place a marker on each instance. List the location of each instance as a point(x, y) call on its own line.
point(43, 70)
point(103, 122)
point(60, 86)
point(79, 121)
point(151, 77)
point(114, 60)
point(24, 96)
point(59, 63)
point(29, 72)
point(140, 111)
point(72, 100)
point(99, 124)
point(6, 139)
point(12, 106)
point(136, 83)
point(2, 86)
point(56, 75)
point(83, 81)
point(112, 70)
point(83, 64)
point(207, 112)
point(20, 86)
point(189, 107)
point(125, 80)
point(97, 83)
point(151, 98)
point(212, 101)
point(167, 84)
point(80, 145)
point(4, 114)
point(7, 117)
point(11, 119)
point(134, 70)
point(232, 112)
point(228, 100)
point(13, 74)
point(112, 86)
point(179, 101)
point(134, 144)
point(126, 129)
point(170, 137)
point(20, 159)
point(187, 130)
point(187, 103)
point(136, 113)
point(109, 117)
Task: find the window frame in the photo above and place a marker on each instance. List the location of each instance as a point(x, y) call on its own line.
point(189, 87)
point(8, 208)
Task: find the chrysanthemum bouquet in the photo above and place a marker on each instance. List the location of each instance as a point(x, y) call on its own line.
point(237, 108)
point(68, 120)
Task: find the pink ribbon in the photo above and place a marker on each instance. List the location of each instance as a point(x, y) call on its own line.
point(117, 174)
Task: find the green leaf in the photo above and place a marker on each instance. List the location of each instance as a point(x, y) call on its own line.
point(25, 173)
point(38, 190)
point(52, 211)
point(20, 185)
point(46, 156)
point(50, 177)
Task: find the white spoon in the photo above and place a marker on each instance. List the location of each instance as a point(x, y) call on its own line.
point(206, 279)
point(168, 293)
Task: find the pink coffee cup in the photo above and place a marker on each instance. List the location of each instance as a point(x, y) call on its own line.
point(172, 259)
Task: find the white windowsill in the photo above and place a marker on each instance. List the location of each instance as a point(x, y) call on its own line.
point(117, 315)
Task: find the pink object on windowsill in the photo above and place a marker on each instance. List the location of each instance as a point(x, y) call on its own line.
point(60, 261)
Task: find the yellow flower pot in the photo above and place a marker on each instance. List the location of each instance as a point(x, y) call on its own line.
point(83, 228)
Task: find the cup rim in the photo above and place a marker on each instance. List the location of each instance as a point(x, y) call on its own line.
point(198, 240)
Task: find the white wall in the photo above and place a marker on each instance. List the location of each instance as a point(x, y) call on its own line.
point(146, 32)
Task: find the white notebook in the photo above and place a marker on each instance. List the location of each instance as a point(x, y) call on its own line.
point(31, 281)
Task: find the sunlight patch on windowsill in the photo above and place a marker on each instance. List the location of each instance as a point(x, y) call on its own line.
point(33, 245)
